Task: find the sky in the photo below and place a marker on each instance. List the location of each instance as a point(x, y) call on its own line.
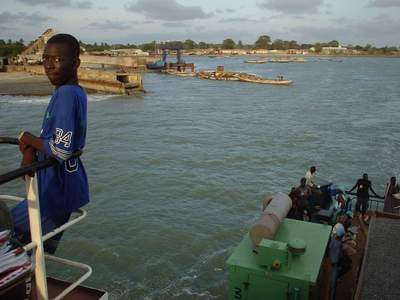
point(375, 22)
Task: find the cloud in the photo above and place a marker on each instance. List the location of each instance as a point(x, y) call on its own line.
point(32, 19)
point(85, 4)
point(109, 25)
point(228, 10)
point(384, 3)
point(354, 31)
point(292, 6)
point(240, 20)
point(82, 4)
point(175, 24)
point(167, 10)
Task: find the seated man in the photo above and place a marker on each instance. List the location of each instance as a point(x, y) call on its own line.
point(300, 197)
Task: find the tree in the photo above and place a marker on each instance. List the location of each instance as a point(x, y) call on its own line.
point(189, 44)
point(228, 44)
point(277, 44)
point(203, 45)
point(263, 42)
point(240, 44)
point(333, 43)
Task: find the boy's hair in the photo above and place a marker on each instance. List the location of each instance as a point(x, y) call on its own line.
point(68, 40)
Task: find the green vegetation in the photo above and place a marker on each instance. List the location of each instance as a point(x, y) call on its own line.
point(11, 48)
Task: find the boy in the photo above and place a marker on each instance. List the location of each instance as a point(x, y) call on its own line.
point(63, 188)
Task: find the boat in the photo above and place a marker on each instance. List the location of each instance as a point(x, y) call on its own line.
point(34, 283)
point(256, 61)
point(217, 75)
point(181, 73)
point(158, 65)
point(255, 79)
point(282, 257)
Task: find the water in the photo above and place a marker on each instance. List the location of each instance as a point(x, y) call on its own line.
point(177, 174)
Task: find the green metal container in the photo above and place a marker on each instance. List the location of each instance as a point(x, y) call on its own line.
point(286, 268)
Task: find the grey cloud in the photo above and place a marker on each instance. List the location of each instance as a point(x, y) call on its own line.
point(384, 3)
point(85, 4)
point(239, 20)
point(221, 11)
point(32, 19)
point(175, 24)
point(109, 25)
point(167, 10)
point(352, 31)
point(292, 6)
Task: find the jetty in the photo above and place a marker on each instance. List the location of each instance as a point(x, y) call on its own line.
point(100, 73)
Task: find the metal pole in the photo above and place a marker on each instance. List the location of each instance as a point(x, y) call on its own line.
point(36, 236)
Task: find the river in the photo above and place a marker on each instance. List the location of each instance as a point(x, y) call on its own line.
point(177, 174)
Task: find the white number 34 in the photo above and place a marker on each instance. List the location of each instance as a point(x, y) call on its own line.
point(63, 138)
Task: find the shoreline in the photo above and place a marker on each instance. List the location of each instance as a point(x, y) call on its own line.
point(24, 84)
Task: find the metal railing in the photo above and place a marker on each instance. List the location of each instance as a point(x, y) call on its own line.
point(374, 203)
point(35, 224)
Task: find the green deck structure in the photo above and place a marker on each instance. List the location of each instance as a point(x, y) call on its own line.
point(274, 272)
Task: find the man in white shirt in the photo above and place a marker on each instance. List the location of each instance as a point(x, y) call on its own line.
point(310, 176)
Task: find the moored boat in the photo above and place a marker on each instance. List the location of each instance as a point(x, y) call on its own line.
point(255, 79)
point(256, 61)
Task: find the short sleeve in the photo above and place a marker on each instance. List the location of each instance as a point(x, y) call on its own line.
point(61, 142)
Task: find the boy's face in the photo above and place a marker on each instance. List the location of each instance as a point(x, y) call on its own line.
point(59, 65)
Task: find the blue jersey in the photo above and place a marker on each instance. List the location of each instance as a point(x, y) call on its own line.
point(64, 187)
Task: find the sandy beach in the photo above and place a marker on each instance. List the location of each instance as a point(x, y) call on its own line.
point(24, 84)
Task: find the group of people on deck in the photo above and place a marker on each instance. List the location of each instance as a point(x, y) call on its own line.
point(302, 195)
point(342, 243)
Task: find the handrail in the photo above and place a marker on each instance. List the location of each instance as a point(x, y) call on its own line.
point(35, 224)
point(377, 200)
point(75, 264)
point(9, 140)
point(33, 167)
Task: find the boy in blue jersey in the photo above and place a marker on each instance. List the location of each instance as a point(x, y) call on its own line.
point(63, 188)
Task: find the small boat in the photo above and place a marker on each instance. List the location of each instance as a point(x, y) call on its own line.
point(158, 65)
point(255, 79)
point(256, 61)
point(181, 73)
point(215, 75)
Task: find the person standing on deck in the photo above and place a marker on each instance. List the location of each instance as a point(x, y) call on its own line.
point(310, 174)
point(63, 188)
point(392, 188)
point(363, 186)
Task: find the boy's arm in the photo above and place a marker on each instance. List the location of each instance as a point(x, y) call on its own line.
point(27, 139)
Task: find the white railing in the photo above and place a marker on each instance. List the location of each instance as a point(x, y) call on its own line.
point(37, 242)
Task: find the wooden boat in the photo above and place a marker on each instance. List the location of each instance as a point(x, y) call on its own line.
point(214, 75)
point(181, 74)
point(256, 61)
point(255, 79)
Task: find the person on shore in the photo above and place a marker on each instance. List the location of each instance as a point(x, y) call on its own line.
point(63, 188)
point(391, 199)
point(363, 186)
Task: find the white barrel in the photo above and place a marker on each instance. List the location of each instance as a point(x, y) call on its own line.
point(268, 224)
